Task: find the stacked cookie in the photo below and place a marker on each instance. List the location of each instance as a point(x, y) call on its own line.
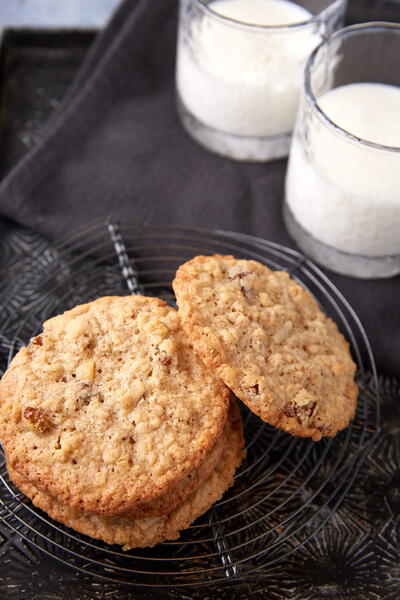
point(117, 420)
point(113, 426)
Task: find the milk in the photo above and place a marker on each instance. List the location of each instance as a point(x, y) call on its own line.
point(343, 192)
point(245, 81)
point(262, 12)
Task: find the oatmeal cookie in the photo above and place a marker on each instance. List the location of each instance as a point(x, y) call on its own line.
point(164, 504)
point(268, 340)
point(109, 407)
point(149, 531)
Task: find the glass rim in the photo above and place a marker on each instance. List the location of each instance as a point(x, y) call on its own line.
point(343, 33)
point(206, 8)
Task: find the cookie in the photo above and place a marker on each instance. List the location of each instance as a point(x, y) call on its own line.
point(148, 531)
point(109, 407)
point(267, 339)
point(164, 504)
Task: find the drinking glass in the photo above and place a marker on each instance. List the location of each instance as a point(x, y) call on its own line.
point(342, 201)
point(238, 84)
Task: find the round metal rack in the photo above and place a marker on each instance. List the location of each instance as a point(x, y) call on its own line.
point(287, 488)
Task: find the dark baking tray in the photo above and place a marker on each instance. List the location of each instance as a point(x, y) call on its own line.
point(36, 68)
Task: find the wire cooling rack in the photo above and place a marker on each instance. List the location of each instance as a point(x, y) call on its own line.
point(287, 488)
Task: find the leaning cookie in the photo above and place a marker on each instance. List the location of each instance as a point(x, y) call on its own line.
point(109, 407)
point(267, 339)
point(149, 531)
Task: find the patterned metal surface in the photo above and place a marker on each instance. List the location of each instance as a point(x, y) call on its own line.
point(293, 538)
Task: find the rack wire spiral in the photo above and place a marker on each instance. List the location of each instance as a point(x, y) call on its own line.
point(287, 488)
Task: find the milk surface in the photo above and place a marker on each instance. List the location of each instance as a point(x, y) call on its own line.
point(345, 193)
point(242, 81)
point(370, 111)
point(262, 12)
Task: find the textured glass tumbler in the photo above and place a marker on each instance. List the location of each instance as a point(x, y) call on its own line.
point(342, 192)
point(238, 85)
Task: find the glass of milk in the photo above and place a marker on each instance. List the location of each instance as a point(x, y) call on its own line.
point(343, 180)
point(240, 67)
